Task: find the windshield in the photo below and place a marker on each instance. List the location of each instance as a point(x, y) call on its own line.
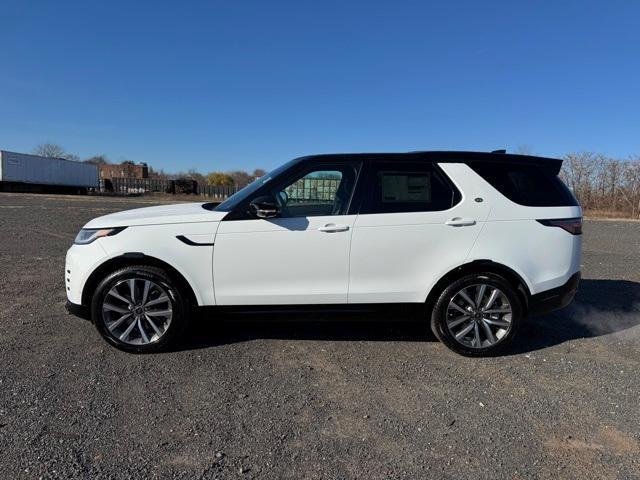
point(234, 200)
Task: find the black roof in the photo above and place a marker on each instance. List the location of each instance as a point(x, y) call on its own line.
point(445, 157)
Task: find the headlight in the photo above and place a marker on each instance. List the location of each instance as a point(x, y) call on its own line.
point(88, 235)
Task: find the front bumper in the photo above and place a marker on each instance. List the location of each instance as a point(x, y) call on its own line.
point(81, 261)
point(556, 298)
point(78, 310)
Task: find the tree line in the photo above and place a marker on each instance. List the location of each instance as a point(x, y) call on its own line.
point(236, 178)
point(604, 186)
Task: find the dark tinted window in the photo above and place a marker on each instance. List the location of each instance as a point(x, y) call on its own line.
point(408, 187)
point(529, 185)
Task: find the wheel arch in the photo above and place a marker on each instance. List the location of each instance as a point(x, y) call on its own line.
point(130, 259)
point(478, 266)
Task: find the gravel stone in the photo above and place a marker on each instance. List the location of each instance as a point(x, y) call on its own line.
point(562, 403)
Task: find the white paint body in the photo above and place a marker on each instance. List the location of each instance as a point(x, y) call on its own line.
point(374, 258)
point(282, 261)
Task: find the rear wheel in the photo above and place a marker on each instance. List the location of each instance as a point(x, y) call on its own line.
point(139, 309)
point(477, 315)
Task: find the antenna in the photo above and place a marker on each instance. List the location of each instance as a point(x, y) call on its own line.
point(498, 151)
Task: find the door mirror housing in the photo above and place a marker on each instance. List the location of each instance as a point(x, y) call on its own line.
point(264, 207)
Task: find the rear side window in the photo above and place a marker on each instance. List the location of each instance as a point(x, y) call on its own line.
point(396, 187)
point(528, 185)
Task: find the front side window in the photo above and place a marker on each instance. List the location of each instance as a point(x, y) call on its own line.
point(241, 195)
point(319, 191)
point(397, 187)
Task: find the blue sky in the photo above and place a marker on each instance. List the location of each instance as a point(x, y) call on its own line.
point(245, 84)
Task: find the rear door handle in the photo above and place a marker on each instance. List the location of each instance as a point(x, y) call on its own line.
point(460, 222)
point(332, 227)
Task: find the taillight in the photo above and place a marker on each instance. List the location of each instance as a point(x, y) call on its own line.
point(571, 225)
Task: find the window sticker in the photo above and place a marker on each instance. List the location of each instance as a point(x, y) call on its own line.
point(405, 187)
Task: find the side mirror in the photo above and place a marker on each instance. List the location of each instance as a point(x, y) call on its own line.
point(264, 207)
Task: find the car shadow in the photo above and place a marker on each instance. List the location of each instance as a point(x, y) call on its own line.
point(601, 307)
point(215, 328)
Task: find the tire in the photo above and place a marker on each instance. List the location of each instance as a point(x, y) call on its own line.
point(152, 321)
point(501, 313)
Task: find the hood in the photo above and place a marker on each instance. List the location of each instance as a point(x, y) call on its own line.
point(164, 214)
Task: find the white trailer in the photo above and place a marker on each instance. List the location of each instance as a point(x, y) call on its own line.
point(23, 171)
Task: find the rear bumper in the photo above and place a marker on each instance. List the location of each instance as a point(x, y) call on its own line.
point(556, 298)
point(78, 310)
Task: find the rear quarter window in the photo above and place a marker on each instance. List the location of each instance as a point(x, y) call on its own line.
point(528, 185)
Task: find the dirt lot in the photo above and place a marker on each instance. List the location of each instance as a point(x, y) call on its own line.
point(277, 399)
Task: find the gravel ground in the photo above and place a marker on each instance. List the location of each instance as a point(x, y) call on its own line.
point(276, 399)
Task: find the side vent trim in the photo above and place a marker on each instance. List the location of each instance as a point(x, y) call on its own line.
point(185, 240)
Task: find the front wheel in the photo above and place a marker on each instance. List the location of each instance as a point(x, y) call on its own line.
point(139, 309)
point(477, 315)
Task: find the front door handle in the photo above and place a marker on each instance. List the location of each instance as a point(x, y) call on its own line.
point(460, 222)
point(332, 227)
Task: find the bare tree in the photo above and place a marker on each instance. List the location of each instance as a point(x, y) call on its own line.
point(193, 174)
point(49, 150)
point(579, 173)
point(605, 186)
point(97, 160)
point(630, 187)
point(161, 174)
point(240, 178)
point(54, 151)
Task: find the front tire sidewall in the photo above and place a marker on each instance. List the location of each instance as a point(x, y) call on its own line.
point(438, 317)
point(176, 327)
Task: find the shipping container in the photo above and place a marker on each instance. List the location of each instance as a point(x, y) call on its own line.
point(20, 171)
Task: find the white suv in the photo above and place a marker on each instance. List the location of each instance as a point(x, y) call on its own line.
point(477, 240)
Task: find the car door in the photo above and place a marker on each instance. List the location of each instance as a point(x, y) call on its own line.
point(413, 227)
point(299, 257)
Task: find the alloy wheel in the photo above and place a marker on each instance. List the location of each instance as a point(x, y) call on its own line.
point(479, 316)
point(137, 311)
